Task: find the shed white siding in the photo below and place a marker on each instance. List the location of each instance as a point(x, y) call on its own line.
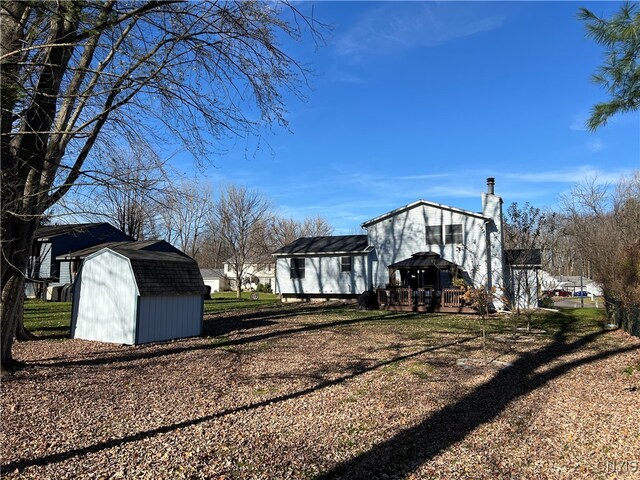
point(167, 317)
point(323, 275)
point(105, 300)
point(114, 300)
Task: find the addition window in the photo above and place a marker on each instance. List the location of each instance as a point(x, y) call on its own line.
point(345, 264)
point(453, 233)
point(297, 268)
point(434, 234)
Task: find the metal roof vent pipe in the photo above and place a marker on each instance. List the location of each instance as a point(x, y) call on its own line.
point(491, 182)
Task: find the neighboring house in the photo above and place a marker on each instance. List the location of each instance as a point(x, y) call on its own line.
point(254, 272)
point(215, 279)
point(133, 293)
point(410, 255)
point(45, 271)
point(576, 283)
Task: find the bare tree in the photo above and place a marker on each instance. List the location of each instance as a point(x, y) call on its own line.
point(605, 228)
point(78, 75)
point(213, 251)
point(241, 217)
point(523, 228)
point(184, 217)
point(128, 189)
point(286, 230)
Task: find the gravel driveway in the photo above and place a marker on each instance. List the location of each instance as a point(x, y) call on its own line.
point(326, 392)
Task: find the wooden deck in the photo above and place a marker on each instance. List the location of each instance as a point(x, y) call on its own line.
point(402, 299)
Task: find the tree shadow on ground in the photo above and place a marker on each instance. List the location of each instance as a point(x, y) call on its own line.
point(146, 352)
point(405, 452)
point(360, 369)
point(222, 323)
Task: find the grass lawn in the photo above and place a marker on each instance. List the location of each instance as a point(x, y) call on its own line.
point(53, 319)
point(330, 391)
point(224, 301)
point(47, 319)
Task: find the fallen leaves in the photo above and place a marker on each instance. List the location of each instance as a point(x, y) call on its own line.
point(291, 399)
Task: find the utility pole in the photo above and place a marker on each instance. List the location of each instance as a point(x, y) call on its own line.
point(582, 286)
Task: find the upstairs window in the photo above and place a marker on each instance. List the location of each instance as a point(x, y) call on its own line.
point(434, 234)
point(345, 264)
point(453, 234)
point(297, 267)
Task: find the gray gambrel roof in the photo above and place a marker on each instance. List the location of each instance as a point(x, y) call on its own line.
point(140, 245)
point(163, 273)
point(335, 244)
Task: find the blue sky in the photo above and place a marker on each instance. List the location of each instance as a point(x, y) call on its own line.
point(423, 100)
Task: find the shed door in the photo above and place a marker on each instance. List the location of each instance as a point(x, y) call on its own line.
point(107, 300)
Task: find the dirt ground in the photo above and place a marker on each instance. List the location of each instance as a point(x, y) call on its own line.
point(328, 392)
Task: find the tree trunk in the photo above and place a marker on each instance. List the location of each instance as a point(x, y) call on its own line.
point(22, 333)
point(238, 287)
point(15, 257)
point(11, 298)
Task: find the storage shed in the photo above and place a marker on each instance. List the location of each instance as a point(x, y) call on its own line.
point(137, 296)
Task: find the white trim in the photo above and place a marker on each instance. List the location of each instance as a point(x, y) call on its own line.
point(424, 203)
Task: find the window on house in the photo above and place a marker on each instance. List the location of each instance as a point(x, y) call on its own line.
point(434, 234)
point(345, 264)
point(297, 268)
point(453, 233)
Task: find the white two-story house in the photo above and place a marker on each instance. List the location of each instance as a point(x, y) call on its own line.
point(410, 256)
point(253, 272)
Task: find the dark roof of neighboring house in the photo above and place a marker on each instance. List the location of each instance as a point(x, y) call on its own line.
point(164, 273)
point(424, 260)
point(121, 247)
point(47, 231)
point(530, 257)
point(212, 272)
point(330, 244)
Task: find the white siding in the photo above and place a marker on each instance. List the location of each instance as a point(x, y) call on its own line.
point(169, 317)
point(45, 260)
point(323, 276)
point(398, 237)
point(105, 300)
point(492, 208)
point(214, 283)
point(524, 288)
point(65, 273)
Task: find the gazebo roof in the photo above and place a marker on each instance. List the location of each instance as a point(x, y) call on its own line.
point(424, 260)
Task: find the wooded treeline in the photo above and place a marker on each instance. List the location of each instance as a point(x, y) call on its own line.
point(596, 233)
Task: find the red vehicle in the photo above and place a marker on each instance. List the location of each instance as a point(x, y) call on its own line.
point(556, 293)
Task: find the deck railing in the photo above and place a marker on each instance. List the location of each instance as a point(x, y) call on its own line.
point(406, 297)
point(420, 297)
point(452, 297)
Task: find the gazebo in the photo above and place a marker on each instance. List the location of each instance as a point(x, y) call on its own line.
point(423, 283)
